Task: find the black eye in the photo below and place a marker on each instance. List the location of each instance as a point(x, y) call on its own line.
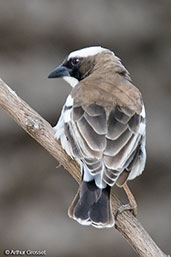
point(75, 61)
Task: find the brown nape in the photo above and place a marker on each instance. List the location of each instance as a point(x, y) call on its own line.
point(95, 91)
point(107, 61)
point(107, 75)
point(102, 62)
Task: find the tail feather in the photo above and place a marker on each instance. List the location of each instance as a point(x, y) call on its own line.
point(91, 205)
point(73, 204)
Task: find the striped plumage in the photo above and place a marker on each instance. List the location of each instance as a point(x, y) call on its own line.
point(102, 126)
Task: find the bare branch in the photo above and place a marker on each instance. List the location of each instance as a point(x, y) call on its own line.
point(42, 132)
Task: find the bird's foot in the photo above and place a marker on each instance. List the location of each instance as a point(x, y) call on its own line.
point(131, 206)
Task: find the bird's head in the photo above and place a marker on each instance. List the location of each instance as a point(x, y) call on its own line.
point(81, 64)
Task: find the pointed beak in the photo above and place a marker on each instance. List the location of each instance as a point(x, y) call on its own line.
point(60, 71)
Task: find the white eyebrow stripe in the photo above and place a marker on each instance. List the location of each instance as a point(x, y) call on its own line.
point(88, 51)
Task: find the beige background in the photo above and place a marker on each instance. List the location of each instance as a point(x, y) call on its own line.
point(35, 36)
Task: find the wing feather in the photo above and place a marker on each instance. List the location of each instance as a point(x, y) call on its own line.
point(121, 116)
point(115, 127)
point(94, 109)
point(114, 146)
point(107, 141)
point(95, 141)
point(98, 122)
point(77, 113)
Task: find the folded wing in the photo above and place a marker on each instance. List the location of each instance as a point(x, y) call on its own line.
point(110, 142)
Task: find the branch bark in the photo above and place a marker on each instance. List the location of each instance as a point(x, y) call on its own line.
point(42, 132)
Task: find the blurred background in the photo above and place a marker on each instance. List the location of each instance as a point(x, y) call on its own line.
point(35, 36)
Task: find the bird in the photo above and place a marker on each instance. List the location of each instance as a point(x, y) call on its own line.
point(102, 127)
